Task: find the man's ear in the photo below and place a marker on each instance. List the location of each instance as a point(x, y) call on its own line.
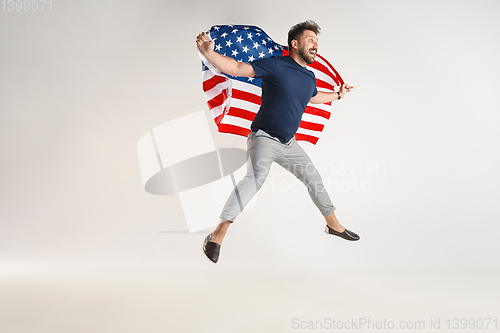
point(294, 43)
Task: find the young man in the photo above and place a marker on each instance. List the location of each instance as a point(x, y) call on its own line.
point(287, 87)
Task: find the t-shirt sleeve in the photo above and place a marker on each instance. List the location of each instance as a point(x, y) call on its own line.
point(315, 92)
point(264, 67)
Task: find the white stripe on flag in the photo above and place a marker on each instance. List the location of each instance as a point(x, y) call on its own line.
point(323, 107)
point(308, 132)
point(318, 59)
point(236, 121)
point(247, 87)
point(325, 89)
point(242, 104)
point(312, 118)
point(218, 110)
point(209, 94)
point(323, 77)
point(206, 75)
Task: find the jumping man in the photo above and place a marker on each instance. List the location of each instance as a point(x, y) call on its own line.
point(287, 87)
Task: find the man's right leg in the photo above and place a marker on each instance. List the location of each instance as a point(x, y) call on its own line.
point(296, 161)
point(262, 150)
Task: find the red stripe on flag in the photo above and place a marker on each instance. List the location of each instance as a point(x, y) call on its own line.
point(246, 96)
point(217, 100)
point(323, 84)
point(311, 126)
point(305, 137)
point(212, 82)
point(241, 113)
point(219, 118)
point(227, 128)
point(317, 112)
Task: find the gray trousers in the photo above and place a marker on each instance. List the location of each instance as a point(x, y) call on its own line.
point(264, 149)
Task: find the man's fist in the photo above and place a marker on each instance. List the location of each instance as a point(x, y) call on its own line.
point(203, 44)
point(345, 89)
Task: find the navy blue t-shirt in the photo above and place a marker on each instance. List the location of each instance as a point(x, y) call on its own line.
point(287, 87)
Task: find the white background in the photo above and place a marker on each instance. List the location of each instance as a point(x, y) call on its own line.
point(84, 248)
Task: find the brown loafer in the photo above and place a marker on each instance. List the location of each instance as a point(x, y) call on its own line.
point(211, 249)
point(346, 234)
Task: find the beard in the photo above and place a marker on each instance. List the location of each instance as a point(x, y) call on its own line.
point(308, 58)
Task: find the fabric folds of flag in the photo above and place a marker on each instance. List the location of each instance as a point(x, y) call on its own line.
point(234, 101)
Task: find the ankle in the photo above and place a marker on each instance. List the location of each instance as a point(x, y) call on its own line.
point(336, 226)
point(218, 234)
point(217, 238)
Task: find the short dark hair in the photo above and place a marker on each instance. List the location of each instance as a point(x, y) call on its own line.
point(297, 30)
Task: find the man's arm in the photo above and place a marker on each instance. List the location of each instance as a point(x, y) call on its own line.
point(325, 97)
point(224, 64)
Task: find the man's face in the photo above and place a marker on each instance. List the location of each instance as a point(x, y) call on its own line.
point(308, 46)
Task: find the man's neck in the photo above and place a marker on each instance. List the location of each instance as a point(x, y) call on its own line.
point(298, 59)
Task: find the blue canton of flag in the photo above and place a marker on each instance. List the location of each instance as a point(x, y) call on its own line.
point(244, 43)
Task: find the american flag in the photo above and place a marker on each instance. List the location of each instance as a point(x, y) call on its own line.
point(234, 101)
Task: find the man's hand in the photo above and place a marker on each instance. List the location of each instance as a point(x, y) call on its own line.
point(345, 89)
point(204, 45)
point(325, 97)
point(224, 64)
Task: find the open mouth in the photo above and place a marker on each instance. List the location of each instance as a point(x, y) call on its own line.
point(312, 52)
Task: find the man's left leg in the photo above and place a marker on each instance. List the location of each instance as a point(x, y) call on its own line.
point(295, 160)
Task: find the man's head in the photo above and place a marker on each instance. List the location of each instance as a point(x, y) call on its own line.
point(303, 39)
